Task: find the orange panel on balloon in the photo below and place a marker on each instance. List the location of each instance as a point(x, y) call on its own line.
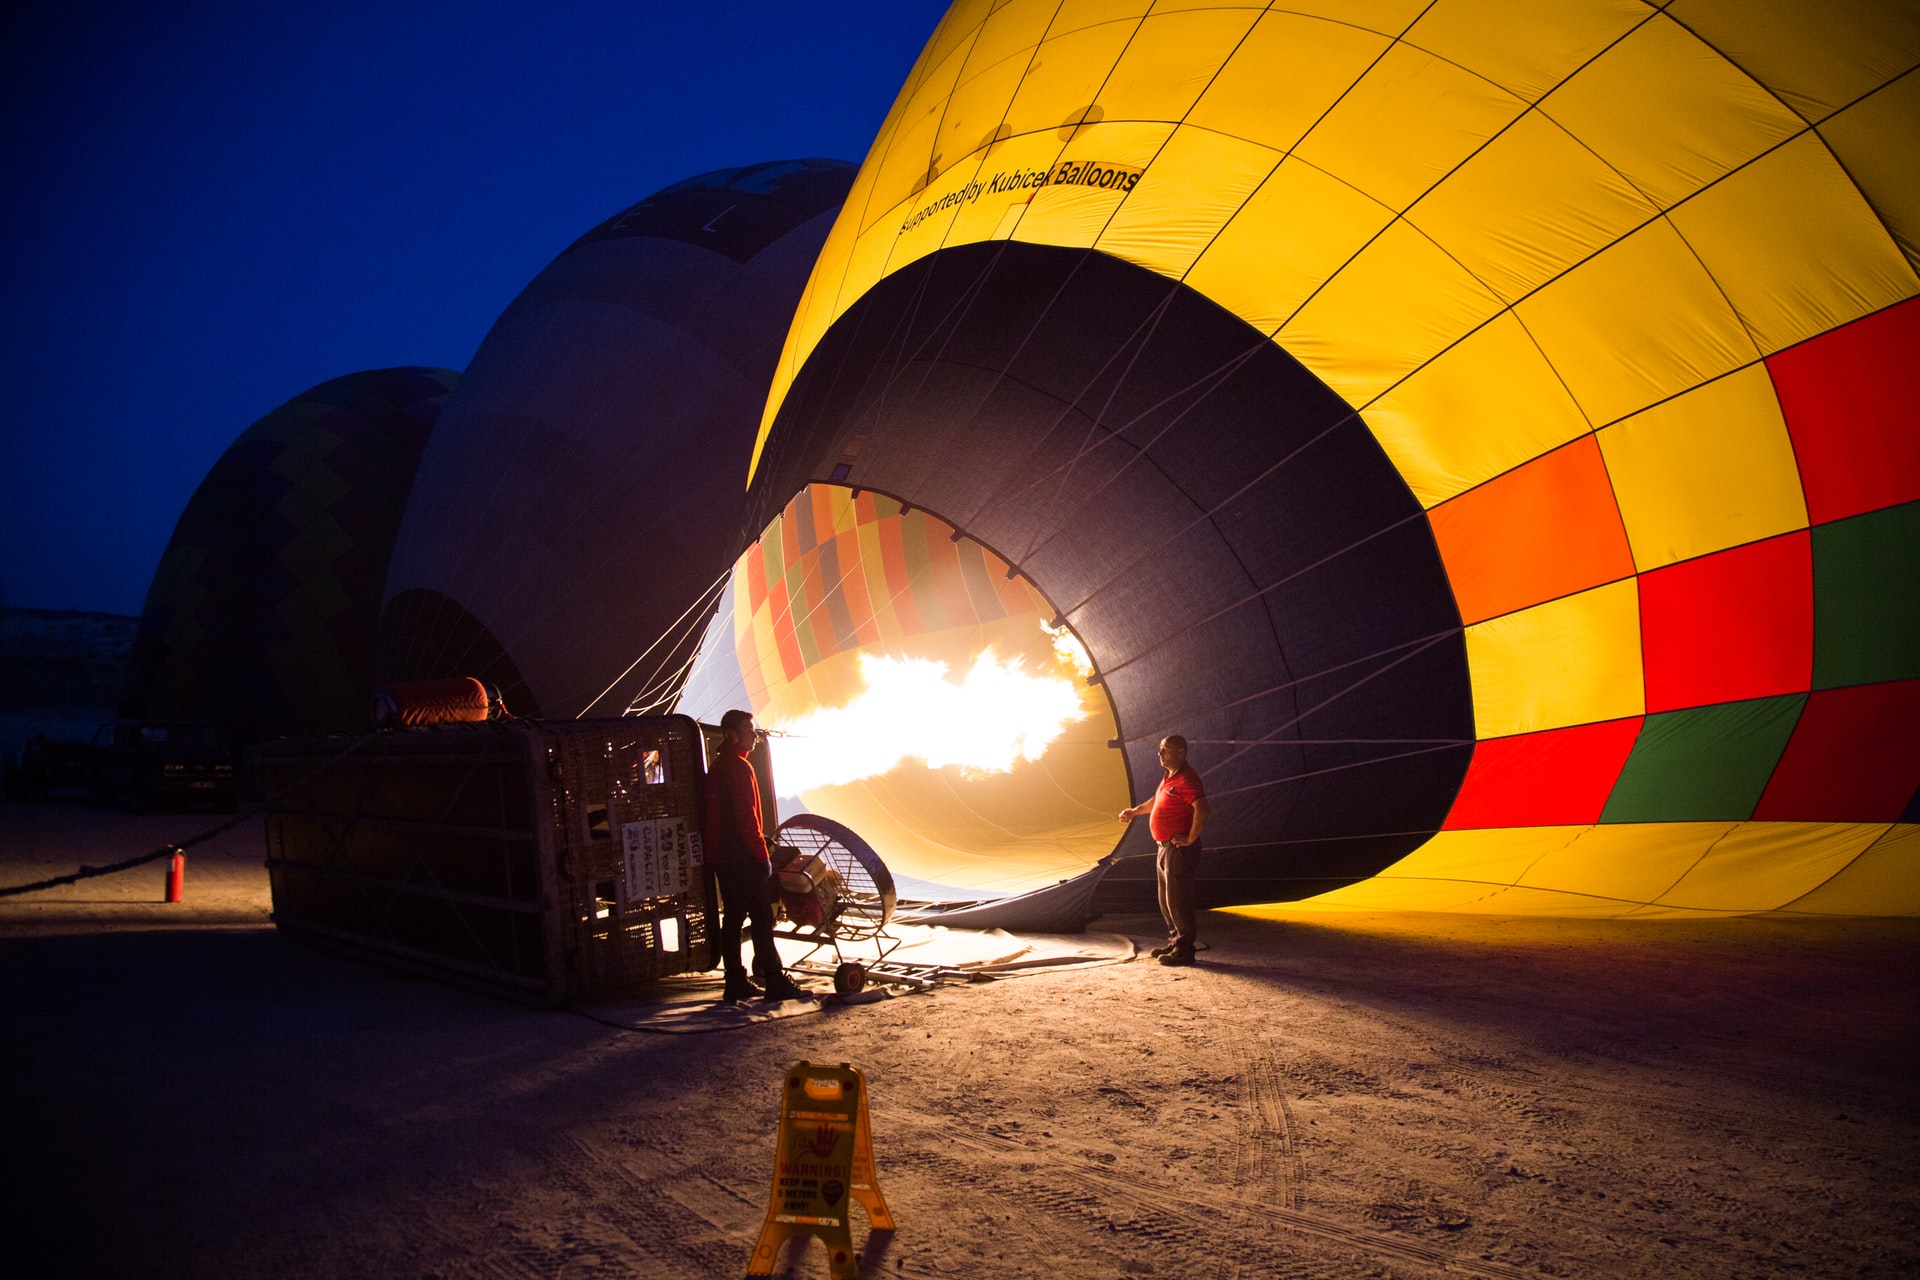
point(1854, 757)
point(1539, 532)
point(1557, 778)
point(1735, 624)
point(1852, 403)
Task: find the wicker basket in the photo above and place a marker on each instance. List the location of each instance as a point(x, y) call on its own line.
point(538, 861)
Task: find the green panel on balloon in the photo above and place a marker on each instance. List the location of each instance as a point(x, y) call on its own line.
point(1866, 598)
point(1704, 764)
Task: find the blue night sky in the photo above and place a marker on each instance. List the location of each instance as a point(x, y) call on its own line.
point(212, 206)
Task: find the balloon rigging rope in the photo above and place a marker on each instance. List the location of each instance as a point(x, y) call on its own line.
point(1206, 515)
point(780, 446)
point(1257, 594)
point(1090, 444)
point(1284, 725)
point(1279, 779)
point(1139, 341)
point(1216, 377)
point(705, 598)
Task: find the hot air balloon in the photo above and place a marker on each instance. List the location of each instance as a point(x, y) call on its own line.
point(263, 615)
point(1487, 432)
point(575, 518)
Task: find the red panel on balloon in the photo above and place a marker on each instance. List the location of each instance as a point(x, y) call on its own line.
point(1854, 757)
point(1732, 625)
point(1852, 404)
point(1556, 778)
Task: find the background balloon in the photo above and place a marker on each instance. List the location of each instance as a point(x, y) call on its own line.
point(263, 614)
point(582, 499)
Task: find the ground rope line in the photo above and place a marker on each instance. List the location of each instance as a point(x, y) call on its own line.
point(88, 873)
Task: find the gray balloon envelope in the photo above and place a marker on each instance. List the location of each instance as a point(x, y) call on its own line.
point(584, 493)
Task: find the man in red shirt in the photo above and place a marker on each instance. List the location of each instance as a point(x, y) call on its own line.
point(1179, 809)
point(736, 849)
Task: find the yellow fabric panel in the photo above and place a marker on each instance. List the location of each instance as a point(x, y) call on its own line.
point(974, 115)
point(1072, 15)
point(1388, 17)
point(1560, 903)
point(1405, 124)
point(1794, 246)
point(1570, 661)
point(1066, 76)
point(886, 618)
point(1075, 216)
point(1292, 234)
point(1818, 55)
point(1710, 469)
point(1877, 141)
point(1632, 862)
point(1882, 881)
point(927, 106)
point(1386, 313)
point(765, 679)
point(867, 263)
point(1013, 29)
point(1197, 182)
point(1385, 892)
point(1027, 153)
point(1284, 76)
point(1479, 408)
point(1636, 323)
point(1529, 205)
point(1497, 856)
point(1761, 866)
point(958, 27)
point(1526, 49)
point(1669, 112)
point(1170, 61)
point(902, 170)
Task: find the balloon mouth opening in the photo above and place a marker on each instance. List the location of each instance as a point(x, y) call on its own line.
point(919, 688)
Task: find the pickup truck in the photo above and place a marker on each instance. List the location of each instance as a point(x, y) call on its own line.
point(152, 766)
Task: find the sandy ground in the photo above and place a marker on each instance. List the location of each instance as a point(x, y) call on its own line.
point(1383, 1096)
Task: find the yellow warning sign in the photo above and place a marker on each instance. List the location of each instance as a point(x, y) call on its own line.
point(824, 1163)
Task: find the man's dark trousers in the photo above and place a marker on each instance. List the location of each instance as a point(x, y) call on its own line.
point(746, 895)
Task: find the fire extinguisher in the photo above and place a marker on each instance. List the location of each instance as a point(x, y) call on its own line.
point(176, 875)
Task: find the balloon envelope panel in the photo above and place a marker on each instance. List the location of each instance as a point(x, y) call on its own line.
point(263, 615)
point(1621, 299)
point(583, 495)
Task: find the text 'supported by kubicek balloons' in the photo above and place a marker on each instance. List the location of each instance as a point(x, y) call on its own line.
point(1100, 174)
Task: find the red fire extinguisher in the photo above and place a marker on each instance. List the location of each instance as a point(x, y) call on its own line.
point(176, 875)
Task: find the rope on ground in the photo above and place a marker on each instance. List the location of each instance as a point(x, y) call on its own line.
point(166, 851)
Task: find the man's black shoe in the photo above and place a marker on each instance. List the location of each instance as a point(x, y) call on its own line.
point(1177, 957)
point(1166, 950)
point(786, 989)
point(741, 988)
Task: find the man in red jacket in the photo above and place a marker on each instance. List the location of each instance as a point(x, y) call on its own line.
point(1179, 809)
point(736, 845)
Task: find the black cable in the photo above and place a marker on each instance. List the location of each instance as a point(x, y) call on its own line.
point(88, 873)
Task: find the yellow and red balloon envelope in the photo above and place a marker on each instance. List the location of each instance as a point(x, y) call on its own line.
point(1487, 430)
